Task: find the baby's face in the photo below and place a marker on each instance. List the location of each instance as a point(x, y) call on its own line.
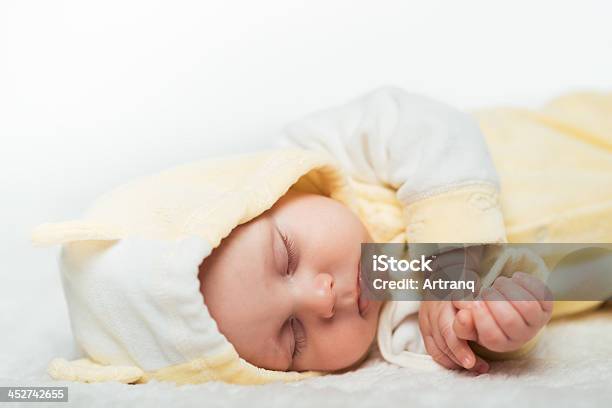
point(284, 288)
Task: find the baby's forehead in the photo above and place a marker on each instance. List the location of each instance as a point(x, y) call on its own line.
point(242, 267)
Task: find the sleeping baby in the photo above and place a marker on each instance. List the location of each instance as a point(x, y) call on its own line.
point(246, 269)
point(298, 305)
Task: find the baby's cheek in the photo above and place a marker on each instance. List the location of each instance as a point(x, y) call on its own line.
point(338, 346)
point(356, 341)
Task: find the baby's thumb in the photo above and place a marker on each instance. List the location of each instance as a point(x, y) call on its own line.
point(462, 302)
point(464, 325)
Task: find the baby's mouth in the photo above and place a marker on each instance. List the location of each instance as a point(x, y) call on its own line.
point(362, 301)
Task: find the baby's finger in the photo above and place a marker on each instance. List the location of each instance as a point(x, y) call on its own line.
point(436, 333)
point(461, 300)
point(458, 347)
point(528, 306)
point(430, 345)
point(537, 288)
point(462, 304)
point(507, 317)
point(489, 333)
point(524, 303)
point(438, 356)
point(427, 330)
point(464, 325)
point(511, 290)
point(481, 366)
point(464, 329)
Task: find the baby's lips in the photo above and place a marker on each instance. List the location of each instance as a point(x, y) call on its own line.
point(362, 301)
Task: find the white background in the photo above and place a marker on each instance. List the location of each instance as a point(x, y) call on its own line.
point(94, 93)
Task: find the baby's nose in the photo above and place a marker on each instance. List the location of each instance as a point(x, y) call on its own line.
point(321, 299)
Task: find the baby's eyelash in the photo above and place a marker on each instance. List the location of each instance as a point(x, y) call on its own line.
point(291, 252)
point(299, 340)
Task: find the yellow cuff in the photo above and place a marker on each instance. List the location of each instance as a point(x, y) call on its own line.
point(466, 214)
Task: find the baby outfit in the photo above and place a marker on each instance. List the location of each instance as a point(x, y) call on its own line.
point(413, 170)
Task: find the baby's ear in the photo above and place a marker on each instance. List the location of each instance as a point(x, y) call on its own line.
point(70, 231)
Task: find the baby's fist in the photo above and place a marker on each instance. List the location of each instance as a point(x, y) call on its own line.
point(509, 314)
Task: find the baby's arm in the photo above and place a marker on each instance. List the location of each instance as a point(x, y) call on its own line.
point(433, 155)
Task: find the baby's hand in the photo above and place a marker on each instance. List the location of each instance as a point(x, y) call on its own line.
point(507, 315)
point(436, 319)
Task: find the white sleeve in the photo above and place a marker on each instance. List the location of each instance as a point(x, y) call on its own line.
point(433, 155)
point(399, 338)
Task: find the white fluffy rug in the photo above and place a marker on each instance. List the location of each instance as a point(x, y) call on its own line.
point(572, 367)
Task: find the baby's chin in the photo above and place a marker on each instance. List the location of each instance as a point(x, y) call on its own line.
point(362, 357)
point(355, 357)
